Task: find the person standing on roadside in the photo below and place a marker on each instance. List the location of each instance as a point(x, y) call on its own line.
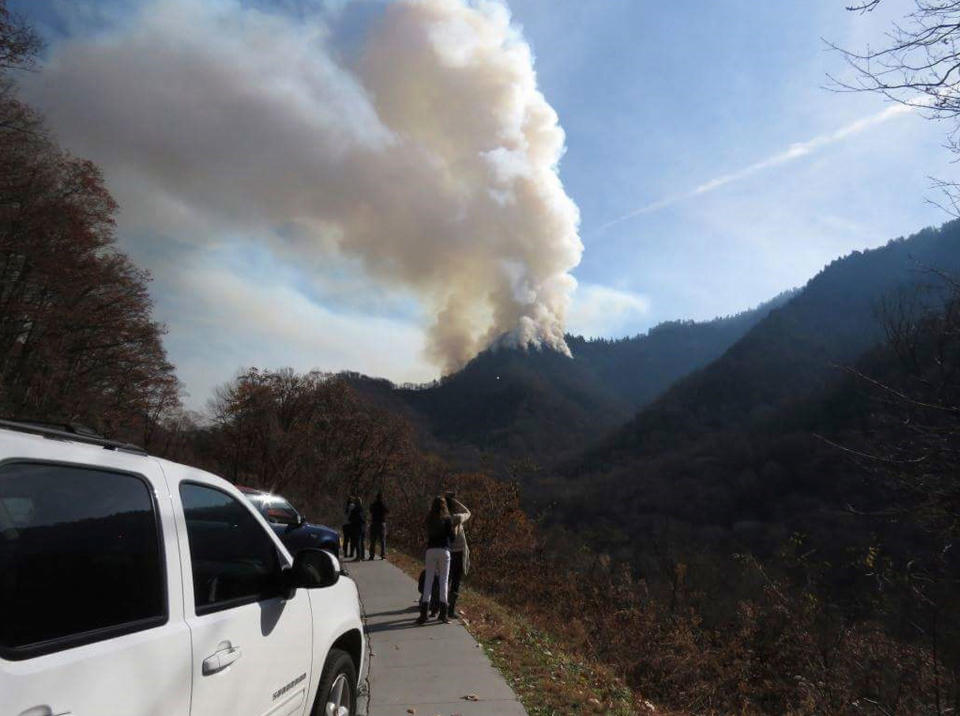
point(358, 526)
point(378, 526)
point(459, 551)
point(439, 529)
point(348, 542)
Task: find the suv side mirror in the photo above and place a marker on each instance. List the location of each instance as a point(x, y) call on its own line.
point(313, 569)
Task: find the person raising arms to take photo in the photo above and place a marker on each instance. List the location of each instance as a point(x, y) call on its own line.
point(459, 551)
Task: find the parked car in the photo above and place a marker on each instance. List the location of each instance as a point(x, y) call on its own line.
point(133, 585)
point(291, 527)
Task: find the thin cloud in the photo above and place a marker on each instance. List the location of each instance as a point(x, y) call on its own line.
point(794, 151)
point(605, 311)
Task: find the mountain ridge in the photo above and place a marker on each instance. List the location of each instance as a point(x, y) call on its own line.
point(793, 352)
point(531, 404)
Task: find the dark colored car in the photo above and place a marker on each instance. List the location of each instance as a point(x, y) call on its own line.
point(291, 527)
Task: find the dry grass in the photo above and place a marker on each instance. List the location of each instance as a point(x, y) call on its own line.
point(547, 677)
point(575, 633)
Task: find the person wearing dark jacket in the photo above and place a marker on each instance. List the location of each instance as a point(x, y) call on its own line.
point(378, 526)
point(348, 543)
point(358, 522)
point(459, 557)
point(439, 529)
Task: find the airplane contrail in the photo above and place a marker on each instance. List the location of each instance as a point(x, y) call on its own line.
point(794, 151)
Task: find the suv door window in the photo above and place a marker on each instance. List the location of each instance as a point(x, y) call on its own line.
point(80, 557)
point(233, 560)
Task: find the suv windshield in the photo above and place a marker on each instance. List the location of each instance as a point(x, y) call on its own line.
point(276, 509)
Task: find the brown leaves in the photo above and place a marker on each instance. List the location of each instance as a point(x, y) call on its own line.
point(77, 339)
point(311, 435)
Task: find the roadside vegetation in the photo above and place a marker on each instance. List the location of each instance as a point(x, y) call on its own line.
point(549, 679)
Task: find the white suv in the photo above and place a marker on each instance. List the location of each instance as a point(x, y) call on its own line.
point(132, 585)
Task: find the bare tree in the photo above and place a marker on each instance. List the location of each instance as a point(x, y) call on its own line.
point(19, 43)
point(917, 64)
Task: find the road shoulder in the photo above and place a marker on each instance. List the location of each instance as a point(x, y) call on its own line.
point(431, 669)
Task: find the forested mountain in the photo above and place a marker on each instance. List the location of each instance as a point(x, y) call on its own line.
point(544, 408)
point(739, 455)
point(794, 351)
point(540, 405)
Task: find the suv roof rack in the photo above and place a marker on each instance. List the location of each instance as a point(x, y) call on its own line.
point(69, 431)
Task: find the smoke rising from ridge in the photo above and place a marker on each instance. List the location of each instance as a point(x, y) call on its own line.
point(431, 160)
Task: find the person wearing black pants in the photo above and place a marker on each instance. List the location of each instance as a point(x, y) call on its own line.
point(459, 552)
point(358, 524)
point(349, 545)
point(378, 526)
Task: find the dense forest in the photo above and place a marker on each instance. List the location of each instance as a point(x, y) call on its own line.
point(731, 452)
point(755, 514)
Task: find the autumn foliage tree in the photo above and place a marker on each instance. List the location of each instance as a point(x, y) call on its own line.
point(308, 435)
point(77, 339)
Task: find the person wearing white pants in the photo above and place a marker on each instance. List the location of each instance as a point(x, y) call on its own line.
point(438, 565)
point(440, 536)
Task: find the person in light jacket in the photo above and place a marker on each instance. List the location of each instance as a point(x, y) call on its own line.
point(439, 529)
point(459, 551)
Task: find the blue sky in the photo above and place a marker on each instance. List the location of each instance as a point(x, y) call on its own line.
point(659, 98)
point(712, 116)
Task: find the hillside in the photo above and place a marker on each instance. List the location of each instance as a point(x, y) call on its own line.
point(793, 352)
point(541, 406)
point(728, 458)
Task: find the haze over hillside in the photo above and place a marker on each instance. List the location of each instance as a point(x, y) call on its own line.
point(619, 398)
point(728, 456)
point(794, 351)
point(541, 406)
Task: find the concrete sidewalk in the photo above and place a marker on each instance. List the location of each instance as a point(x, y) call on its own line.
point(429, 668)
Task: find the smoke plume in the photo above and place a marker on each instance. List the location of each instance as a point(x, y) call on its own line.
point(430, 158)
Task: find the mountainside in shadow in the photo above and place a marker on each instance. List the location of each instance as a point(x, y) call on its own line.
point(541, 406)
point(740, 455)
point(794, 351)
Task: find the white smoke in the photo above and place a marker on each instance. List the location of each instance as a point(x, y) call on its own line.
point(431, 159)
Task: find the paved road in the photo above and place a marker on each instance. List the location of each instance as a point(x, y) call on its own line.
point(426, 668)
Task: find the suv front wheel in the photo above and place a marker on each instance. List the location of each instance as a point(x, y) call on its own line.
point(337, 693)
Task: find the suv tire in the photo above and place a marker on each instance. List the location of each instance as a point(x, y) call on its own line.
point(337, 692)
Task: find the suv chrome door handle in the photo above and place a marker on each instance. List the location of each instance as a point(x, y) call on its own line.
point(220, 660)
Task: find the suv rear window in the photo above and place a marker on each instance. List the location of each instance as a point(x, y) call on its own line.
point(80, 557)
